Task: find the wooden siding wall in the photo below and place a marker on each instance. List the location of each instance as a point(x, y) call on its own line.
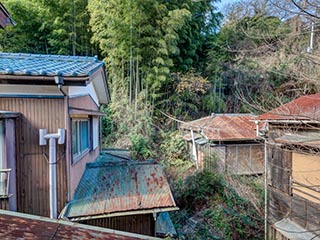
point(244, 159)
point(83, 102)
point(141, 224)
point(32, 166)
point(279, 169)
point(299, 210)
point(282, 202)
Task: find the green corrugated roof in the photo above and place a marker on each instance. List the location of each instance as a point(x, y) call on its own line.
point(111, 185)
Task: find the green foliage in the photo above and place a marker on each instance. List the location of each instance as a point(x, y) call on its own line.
point(185, 97)
point(195, 35)
point(199, 188)
point(140, 146)
point(107, 123)
point(174, 157)
point(54, 27)
point(211, 209)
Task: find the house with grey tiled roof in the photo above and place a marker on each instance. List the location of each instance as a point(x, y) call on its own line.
point(49, 128)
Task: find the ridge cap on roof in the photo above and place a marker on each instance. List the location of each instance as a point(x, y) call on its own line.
point(48, 56)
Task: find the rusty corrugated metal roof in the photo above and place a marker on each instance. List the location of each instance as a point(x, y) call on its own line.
point(303, 108)
point(224, 127)
point(15, 225)
point(108, 187)
point(311, 139)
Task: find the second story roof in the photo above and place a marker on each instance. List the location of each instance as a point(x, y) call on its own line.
point(23, 74)
point(303, 108)
point(224, 127)
point(20, 64)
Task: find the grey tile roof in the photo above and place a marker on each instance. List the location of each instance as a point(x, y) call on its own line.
point(47, 65)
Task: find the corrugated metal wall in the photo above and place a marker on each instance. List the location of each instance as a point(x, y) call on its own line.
point(32, 166)
point(141, 224)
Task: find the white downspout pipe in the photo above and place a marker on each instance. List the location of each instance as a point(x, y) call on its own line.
point(43, 136)
point(194, 149)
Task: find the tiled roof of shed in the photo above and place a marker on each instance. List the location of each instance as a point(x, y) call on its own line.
point(224, 127)
point(303, 108)
point(15, 225)
point(111, 186)
point(47, 65)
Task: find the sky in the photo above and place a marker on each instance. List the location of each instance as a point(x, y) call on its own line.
point(223, 2)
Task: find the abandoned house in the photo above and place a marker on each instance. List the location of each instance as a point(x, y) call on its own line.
point(47, 100)
point(292, 139)
point(122, 194)
point(229, 139)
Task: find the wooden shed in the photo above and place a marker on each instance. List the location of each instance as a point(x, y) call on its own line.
point(293, 167)
point(230, 139)
point(122, 194)
point(47, 92)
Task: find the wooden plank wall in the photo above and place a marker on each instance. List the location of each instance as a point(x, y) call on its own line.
point(141, 224)
point(282, 202)
point(32, 166)
point(244, 159)
point(279, 168)
point(299, 210)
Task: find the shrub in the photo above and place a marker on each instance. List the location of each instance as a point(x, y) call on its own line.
point(199, 188)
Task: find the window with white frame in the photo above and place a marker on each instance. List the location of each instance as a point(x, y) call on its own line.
point(81, 137)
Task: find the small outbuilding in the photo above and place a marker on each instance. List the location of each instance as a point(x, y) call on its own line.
point(123, 194)
point(228, 139)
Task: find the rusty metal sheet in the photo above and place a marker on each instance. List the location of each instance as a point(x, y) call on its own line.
point(301, 138)
point(119, 186)
point(23, 226)
point(303, 108)
point(225, 127)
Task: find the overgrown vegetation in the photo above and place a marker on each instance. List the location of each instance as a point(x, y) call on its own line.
point(210, 206)
point(169, 60)
point(212, 209)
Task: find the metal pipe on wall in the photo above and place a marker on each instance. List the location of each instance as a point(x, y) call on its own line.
point(60, 136)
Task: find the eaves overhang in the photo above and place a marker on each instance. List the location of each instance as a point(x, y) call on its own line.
point(43, 80)
point(119, 214)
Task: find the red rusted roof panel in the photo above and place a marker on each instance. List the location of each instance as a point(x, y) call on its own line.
point(24, 226)
point(110, 187)
point(225, 127)
point(303, 108)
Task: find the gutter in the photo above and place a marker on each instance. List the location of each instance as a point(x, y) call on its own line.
point(69, 80)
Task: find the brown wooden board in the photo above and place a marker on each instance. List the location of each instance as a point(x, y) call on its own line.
point(32, 166)
point(279, 168)
point(141, 224)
